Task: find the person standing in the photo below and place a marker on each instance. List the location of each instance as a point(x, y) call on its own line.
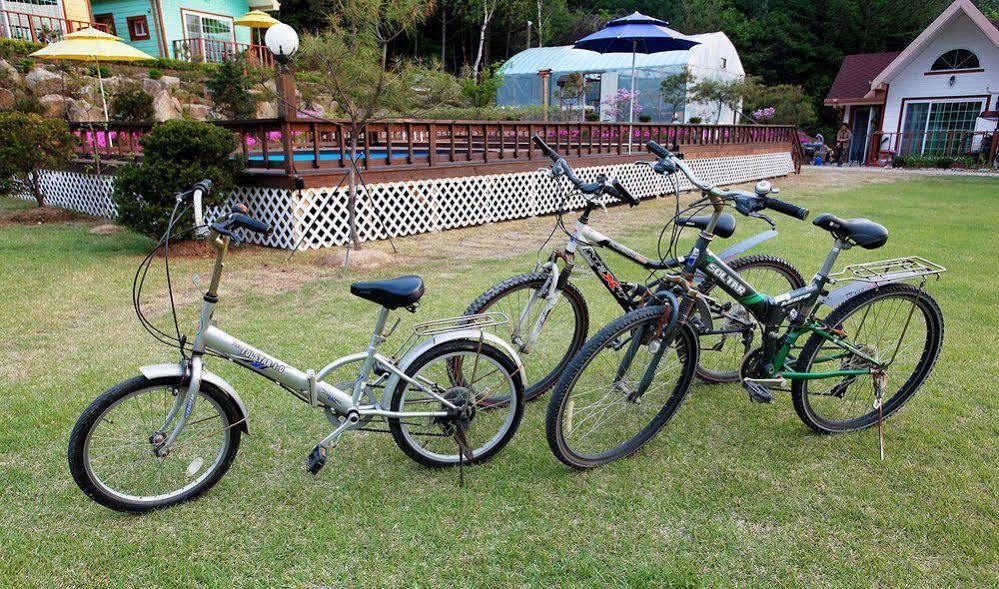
point(842, 142)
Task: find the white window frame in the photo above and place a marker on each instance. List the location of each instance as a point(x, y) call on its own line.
point(909, 102)
point(184, 12)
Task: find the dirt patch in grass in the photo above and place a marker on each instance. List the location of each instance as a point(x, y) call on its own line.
point(367, 258)
point(41, 216)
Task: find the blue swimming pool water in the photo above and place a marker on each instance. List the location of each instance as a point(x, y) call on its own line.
point(334, 155)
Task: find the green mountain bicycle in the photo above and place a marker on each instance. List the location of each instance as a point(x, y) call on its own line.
point(858, 365)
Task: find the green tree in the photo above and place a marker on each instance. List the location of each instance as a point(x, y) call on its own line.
point(134, 106)
point(29, 144)
point(176, 154)
point(674, 88)
point(230, 85)
point(345, 62)
point(720, 93)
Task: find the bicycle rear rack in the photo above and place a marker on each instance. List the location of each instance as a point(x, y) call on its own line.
point(479, 321)
point(893, 270)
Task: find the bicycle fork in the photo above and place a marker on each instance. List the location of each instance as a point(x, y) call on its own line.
point(524, 336)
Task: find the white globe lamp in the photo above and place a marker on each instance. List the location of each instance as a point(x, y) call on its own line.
point(281, 40)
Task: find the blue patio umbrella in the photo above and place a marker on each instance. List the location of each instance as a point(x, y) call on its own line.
point(634, 34)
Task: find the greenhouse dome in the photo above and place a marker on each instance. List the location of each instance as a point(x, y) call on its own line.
point(584, 81)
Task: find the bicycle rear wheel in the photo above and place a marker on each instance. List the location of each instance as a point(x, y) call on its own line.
point(894, 321)
point(722, 354)
point(112, 455)
point(598, 412)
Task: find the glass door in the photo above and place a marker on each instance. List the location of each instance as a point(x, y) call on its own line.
point(210, 38)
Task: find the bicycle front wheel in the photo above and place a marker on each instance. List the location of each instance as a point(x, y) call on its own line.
point(896, 323)
point(545, 343)
point(112, 450)
point(620, 389)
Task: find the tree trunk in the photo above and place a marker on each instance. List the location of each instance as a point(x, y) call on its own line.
point(35, 179)
point(352, 188)
point(487, 15)
point(443, 35)
point(540, 26)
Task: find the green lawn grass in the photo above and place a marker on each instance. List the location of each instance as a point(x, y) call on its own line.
point(728, 494)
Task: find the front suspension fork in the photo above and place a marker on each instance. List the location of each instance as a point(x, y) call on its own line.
point(182, 407)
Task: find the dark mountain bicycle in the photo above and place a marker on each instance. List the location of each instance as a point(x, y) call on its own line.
point(858, 365)
point(549, 314)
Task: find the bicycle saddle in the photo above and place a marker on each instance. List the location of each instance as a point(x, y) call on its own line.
point(392, 294)
point(724, 228)
point(863, 232)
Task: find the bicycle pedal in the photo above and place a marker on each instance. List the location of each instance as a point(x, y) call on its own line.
point(757, 392)
point(316, 460)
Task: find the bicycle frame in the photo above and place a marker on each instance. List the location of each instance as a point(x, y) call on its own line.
point(308, 385)
point(798, 306)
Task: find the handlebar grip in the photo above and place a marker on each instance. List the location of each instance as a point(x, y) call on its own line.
point(205, 186)
point(622, 193)
point(657, 149)
point(787, 208)
point(249, 223)
point(551, 153)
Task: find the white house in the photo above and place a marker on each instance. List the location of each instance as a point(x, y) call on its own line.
point(530, 73)
point(929, 98)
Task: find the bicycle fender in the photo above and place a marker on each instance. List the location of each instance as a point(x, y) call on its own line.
point(841, 294)
point(469, 334)
point(746, 245)
point(154, 371)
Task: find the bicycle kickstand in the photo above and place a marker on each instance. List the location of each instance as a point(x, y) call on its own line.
point(464, 454)
point(880, 382)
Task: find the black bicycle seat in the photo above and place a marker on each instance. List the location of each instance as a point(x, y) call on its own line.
point(863, 232)
point(392, 294)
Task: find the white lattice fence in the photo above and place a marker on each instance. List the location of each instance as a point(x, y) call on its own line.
point(319, 216)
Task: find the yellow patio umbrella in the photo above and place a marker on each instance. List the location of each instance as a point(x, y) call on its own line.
point(92, 45)
point(257, 19)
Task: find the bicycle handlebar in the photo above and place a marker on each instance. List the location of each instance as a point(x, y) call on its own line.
point(671, 163)
point(786, 208)
point(614, 189)
point(239, 217)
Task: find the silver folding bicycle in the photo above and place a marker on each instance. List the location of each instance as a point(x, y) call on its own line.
point(452, 393)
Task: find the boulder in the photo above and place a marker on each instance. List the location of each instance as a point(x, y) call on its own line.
point(91, 93)
point(153, 87)
point(9, 75)
point(170, 81)
point(6, 99)
point(55, 105)
point(266, 110)
point(82, 111)
point(42, 82)
point(165, 107)
point(198, 112)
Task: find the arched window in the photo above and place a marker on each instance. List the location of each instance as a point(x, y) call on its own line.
point(956, 59)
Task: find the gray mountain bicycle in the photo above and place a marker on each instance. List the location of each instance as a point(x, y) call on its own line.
point(452, 393)
point(859, 364)
point(549, 314)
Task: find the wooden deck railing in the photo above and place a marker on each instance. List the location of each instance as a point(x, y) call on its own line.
point(301, 145)
point(37, 28)
point(980, 146)
point(203, 49)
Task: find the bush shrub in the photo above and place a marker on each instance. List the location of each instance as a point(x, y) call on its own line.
point(932, 161)
point(643, 118)
point(14, 48)
point(155, 74)
point(28, 144)
point(230, 85)
point(592, 116)
point(695, 120)
point(28, 104)
point(104, 70)
point(176, 154)
point(133, 106)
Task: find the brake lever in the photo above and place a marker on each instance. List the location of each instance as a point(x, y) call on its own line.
point(765, 218)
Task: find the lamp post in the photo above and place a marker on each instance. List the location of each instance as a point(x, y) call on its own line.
point(282, 41)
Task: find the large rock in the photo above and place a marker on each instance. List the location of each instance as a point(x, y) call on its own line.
point(165, 107)
point(9, 75)
point(55, 105)
point(6, 99)
point(152, 87)
point(42, 82)
point(82, 111)
point(170, 81)
point(91, 93)
point(266, 110)
point(198, 112)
